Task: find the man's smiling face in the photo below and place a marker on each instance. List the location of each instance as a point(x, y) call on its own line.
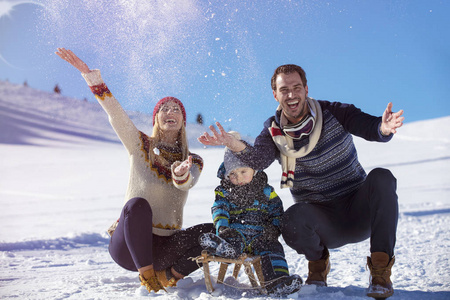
point(291, 94)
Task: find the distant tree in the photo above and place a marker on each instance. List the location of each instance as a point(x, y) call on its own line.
point(57, 89)
point(200, 119)
point(25, 83)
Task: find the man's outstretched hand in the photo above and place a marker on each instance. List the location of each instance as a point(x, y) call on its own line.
point(391, 121)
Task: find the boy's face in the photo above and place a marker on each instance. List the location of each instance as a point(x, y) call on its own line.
point(241, 176)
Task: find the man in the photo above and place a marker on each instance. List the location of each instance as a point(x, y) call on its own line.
point(336, 203)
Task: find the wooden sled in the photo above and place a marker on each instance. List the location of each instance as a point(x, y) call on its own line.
point(244, 259)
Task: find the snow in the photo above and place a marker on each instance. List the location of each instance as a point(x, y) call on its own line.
point(63, 179)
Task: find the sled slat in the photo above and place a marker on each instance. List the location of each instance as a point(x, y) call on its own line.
point(249, 263)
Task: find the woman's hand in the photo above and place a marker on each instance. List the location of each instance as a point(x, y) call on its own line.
point(184, 167)
point(72, 59)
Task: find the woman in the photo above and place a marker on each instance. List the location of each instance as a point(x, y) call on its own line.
point(147, 237)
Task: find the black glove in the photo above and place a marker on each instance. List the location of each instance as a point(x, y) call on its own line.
point(229, 233)
point(233, 237)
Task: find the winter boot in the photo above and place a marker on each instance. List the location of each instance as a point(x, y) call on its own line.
point(284, 286)
point(319, 269)
point(218, 246)
point(150, 281)
point(227, 250)
point(209, 242)
point(166, 278)
point(380, 285)
point(277, 281)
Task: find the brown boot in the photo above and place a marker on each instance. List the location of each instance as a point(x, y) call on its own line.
point(166, 278)
point(319, 269)
point(150, 281)
point(380, 285)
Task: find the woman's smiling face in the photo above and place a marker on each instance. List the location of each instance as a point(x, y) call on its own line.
point(170, 117)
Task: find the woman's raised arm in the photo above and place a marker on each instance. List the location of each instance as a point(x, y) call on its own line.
point(119, 119)
point(72, 59)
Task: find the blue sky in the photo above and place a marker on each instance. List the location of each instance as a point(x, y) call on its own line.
point(218, 56)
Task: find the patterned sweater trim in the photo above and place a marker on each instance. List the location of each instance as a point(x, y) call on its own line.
point(100, 91)
point(167, 227)
point(162, 171)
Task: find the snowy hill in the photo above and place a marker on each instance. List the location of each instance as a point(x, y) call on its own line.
point(63, 179)
point(33, 117)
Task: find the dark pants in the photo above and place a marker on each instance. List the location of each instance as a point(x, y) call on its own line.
point(273, 262)
point(133, 245)
point(372, 211)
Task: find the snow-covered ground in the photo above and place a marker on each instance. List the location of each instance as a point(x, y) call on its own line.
point(63, 176)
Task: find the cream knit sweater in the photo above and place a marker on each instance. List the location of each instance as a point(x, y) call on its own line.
point(165, 192)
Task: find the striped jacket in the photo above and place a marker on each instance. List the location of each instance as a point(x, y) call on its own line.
point(250, 215)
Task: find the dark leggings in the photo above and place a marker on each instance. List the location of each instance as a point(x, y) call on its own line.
point(133, 245)
point(372, 211)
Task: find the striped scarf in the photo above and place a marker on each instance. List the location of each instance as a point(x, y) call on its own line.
point(285, 144)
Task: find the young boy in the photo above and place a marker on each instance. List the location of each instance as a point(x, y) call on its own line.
point(246, 214)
